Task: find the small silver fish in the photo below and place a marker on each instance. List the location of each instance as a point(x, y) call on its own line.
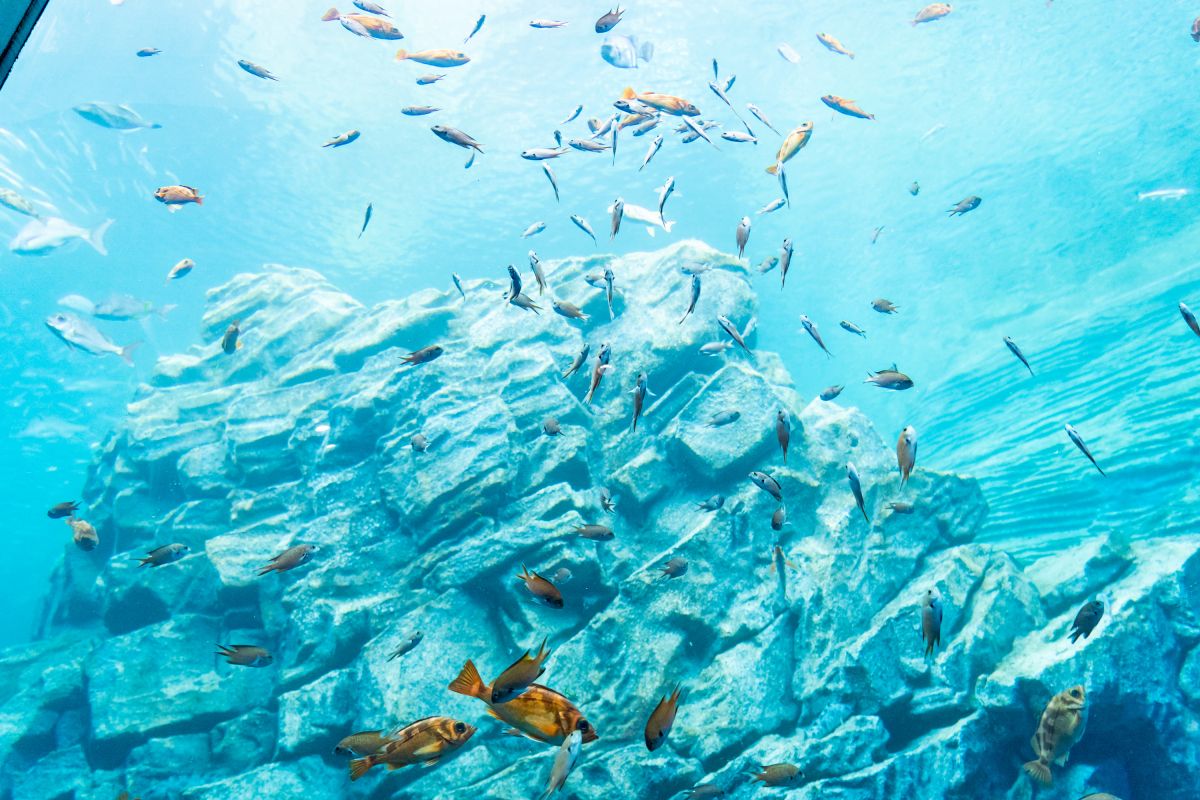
point(743, 235)
point(738, 136)
point(760, 116)
point(768, 484)
point(1083, 448)
point(539, 275)
point(458, 284)
point(654, 148)
point(618, 211)
point(852, 328)
point(541, 153)
point(571, 118)
point(608, 290)
point(811, 327)
point(774, 205)
point(785, 261)
point(533, 230)
point(582, 224)
point(553, 181)
point(733, 332)
point(578, 362)
point(695, 297)
point(663, 193)
point(856, 489)
point(831, 392)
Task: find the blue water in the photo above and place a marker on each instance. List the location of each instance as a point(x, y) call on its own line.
point(1057, 115)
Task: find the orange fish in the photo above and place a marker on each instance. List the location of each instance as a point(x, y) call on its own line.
point(178, 195)
point(666, 103)
point(423, 742)
point(542, 589)
point(539, 712)
point(661, 720)
point(290, 558)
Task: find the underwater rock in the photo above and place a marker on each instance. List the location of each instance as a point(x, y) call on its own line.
point(304, 436)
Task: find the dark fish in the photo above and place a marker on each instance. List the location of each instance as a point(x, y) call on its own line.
point(609, 21)
point(520, 675)
point(674, 568)
point(901, 508)
point(661, 720)
point(704, 790)
point(831, 392)
point(541, 588)
point(478, 26)
point(783, 431)
point(856, 488)
point(606, 501)
point(778, 774)
point(422, 356)
point(229, 342)
point(290, 559)
point(1083, 448)
point(1189, 318)
point(906, 453)
point(64, 509)
point(639, 398)
point(1016, 351)
point(245, 655)
point(419, 443)
point(599, 370)
point(931, 621)
point(884, 306)
point(551, 427)
point(968, 204)
point(779, 519)
point(407, 646)
point(713, 503)
point(166, 554)
point(915, 189)
point(597, 533)
point(723, 418)
point(1086, 620)
point(890, 379)
point(366, 220)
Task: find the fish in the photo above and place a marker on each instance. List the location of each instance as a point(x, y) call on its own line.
point(366, 220)
point(478, 27)
point(371, 7)
point(831, 392)
point(811, 327)
point(426, 80)
point(596, 533)
point(256, 70)
point(533, 230)
point(363, 743)
point(704, 790)
point(577, 362)
point(455, 136)
point(229, 342)
point(695, 298)
point(723, 418)
point(583, 225)
point(779, 519)
point(884, 306)
point(639, 392)
point(1189, 318)
point(166, 554)
point(83, 534)
point(778, 774)
point(833, 45)
point(856, 489)
point(423, 742)
point(543, 153)
point(364, 25)
point(78, 334)
point(245, 655)
point(906, 453)
point(931, 621)
point(599, 370)
point(666, 103)
point(609, 20)
point(1195, 38)
point(564, 762)
point(966, 204)
point(422, 356)
point(41, 237)
point(16, 202)
point(697, 132)
point(519, 675)
point(113, 116)
point(713, 503)
point(420, 444)
point(624, 52)
point(781, 175)
point(652, 219)
point(1164, 194)
point(931, 12)
point(875, 234)
point(890, 378)
point(768, 484)
point(181, 268)
point(769, 263)
point(729, 328)
point(664, 192)
point(760, 116)
point(720, 93)
point(551, 427)
point(407, 645)
point(434, 58)
point(675, 568)
point(774, 205)
point(1060, 727)
point(343, 139)
point(1083, 448)
point(539, 275)
point(899, 507)
point(846, 325)
point(738, 136)
point(1087, 619)
point(146, 52)
point(844, 106)
point(617, 211)
point(64, 509)
point(661, 720)
point(571, 117)
point(178, 195)
point(614, 138)
point(561, 575)
point(654, 148)
point(1016, 351)
point(290, 558)
point(545, 591)
point(538, 713)
point(553, 181)
point(783, 431)
point(793, 143)
point(526, 302)
point(546, 23)
point(606, 501)
point(608, 281)
point(418, 111)
point(743, 235)
point(648, 125)
point(785, 261)
point(788, 53)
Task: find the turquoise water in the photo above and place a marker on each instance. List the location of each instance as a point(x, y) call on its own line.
point(1060, 116)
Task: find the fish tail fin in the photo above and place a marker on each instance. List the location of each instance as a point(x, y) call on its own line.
point(773, 169)
point(870, 116)
point(359, 767)
point(144, 561)
point(401, 54)
point(330, 15)
point(95, 237)
point(1075, 635)
point(127, 352)
point(167, 309)
point(199, 200)
point(265, 570)
point(628, 93)
point(469, 683)
point(1039, 771)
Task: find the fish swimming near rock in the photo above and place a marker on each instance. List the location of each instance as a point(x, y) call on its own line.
point(704, 790)
point(419, 443)
point(695, 297)
point(363, 743)
point(639, 398)
point(1189, 318)
point(1016, 351)
point(435, 58)
point(181, 268)
point(78, 334)
point(606, 501)
point(900, 507)
point(541, 588)
point(890, 378)
point(423, 356)
point(609, 279)
point(290, 559)
point(1087, 619)
point(167, 554)
point(662, 718)
point(906, 453)
point(625, 52)
point(1061, 725)
point(778, 774)
point(831, 392)
point(713, 503)
point(595, 533)
point(64, 509)
point(113, 116)
point(564, 762)
point(931, 621)
point(783, 431)
point(83, 534)
point(731, 329)
point(41, 237)
point(229, 342)
point(723, 418)
point(857, 490)
point(245, 655)
point(966, 204)
point(599, 370)
point(569, 310)
point(408, 644)
point(539, 712)
point(519, 675)
point(844, 106)
point(425, 741)
point(779, 519)
point(675, 568)
point(577, 362)
point(1082, 445)
point(768, 484)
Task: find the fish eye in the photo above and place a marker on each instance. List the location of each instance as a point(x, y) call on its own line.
point(583, 726)
point(460, 727)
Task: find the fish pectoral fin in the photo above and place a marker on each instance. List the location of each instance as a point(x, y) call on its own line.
point(513, 732)
point(433, 761)
point(492, 712)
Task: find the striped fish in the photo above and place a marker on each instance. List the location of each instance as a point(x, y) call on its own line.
point(1061, 726)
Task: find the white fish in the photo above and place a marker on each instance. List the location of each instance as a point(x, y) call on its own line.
point(546, 23)
point(564, 759)
point(582, 224)
point(549, 176)
point(743, 235)
point(760, 116)
point(774, 205)
point(42, 236)
point(617, 211)
point(664, 193)
point(533, 230)
point(788, 53)
point(654, 148)
point(738, 136)
point(371, 8)
point(81, 335)
point(1164, 194)
point(652, 218)
point(578, 110)
point(17, 203)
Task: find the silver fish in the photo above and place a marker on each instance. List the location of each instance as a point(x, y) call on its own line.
point(587, 145)
point(553, 181)
point(408, 643)
point(738, 136)
point(713, 503)
point(723, 418)
point(113, 116)
point(578, 362)
point(458, 284)
point(455, 136)
point(564, 761)
point(733, 332)
point(17, 203)
point(831, 392)
point(618, 210)
point(478, 26)
point(256, 70)
point(695, 297)
point(654, 148)
point(80, 335)
point(582, 224)
point(599, 370)
point(639, 398)
point(774, 205)
point(760, 116)
point(1016, 350)
point(366, 220)
point(535, 264)
point(371, 8)
point(40, 237)
point(856, 488)
point(664, 193)
point(852, 328)
point(418, 111)
point(1083, 448)
point(785, 261)
point(123, 307)
point(608, 291)
point(931, 621)
point(811, 327)
point(547, 23)
point(533, 230)
point(768, 484)
point(541, 153)
point(743, 235)
point(571, 118)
